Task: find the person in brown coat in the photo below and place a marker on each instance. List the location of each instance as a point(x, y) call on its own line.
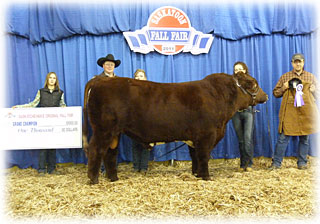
point(298, 114)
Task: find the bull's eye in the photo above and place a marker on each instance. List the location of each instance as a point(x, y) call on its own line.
point(254, 87)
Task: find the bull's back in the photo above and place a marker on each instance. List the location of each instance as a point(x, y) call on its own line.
point(162, 107)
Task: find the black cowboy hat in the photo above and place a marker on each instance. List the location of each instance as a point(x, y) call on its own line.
point(109, 57)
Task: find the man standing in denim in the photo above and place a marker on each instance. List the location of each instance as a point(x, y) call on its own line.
point(296, 119)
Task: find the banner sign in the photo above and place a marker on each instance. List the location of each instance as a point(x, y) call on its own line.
point(41, 128)
point(169, 32)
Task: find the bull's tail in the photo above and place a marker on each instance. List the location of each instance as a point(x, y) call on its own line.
point(85, 117)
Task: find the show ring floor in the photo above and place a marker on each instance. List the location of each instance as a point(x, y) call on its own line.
point(165, 191)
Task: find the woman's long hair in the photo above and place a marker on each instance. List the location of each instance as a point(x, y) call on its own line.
point(243, 66)
point(139, 70)
point(57, 86)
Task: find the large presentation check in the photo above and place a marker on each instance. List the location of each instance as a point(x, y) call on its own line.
point(41, 128)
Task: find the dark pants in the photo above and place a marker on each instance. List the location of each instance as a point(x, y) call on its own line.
point(243, 124)
point(140, 156)
point(47, 160)
point(281, 147)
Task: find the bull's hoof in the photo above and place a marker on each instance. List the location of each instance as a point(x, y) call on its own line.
point(206, 178)
point(203, 177)
point(113, 179)
point(92, 182)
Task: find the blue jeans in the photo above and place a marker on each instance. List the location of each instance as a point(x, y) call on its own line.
point(243, 125)
point(140, 156)
point(47, 160)
point(281, 147)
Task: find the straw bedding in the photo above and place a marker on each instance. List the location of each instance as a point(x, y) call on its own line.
point(165, 191)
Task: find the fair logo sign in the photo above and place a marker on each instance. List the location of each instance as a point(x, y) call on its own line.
point(169, 32)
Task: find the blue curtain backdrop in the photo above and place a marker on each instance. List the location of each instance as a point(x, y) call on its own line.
point(68, 39)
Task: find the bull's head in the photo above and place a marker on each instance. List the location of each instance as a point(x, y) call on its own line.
point(249, 85)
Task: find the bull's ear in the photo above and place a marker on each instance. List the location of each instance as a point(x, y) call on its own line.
point(237, 77)
point(245, 81)
point(240, 74)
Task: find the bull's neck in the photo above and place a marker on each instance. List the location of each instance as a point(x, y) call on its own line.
point(236, 99)
point(242, 99)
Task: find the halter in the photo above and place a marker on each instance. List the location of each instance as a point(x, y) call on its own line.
point(253, 95)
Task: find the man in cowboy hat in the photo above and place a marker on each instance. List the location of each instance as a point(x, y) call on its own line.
point(108, 64)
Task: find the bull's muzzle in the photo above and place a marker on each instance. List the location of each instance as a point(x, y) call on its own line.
point(261, 97)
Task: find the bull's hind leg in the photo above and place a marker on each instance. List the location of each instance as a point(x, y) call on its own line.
point(110, 163)
point(94, 160)
point(98, 147)
point(194, 158)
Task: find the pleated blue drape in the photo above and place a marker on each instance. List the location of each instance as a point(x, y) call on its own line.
point(69, 39)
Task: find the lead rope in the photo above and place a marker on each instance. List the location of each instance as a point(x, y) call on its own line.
point(269, 134)
point(171, 150)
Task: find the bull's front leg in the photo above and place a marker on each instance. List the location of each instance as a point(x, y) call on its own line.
point(203, 159)
point(194, 158)
point(94, 161)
